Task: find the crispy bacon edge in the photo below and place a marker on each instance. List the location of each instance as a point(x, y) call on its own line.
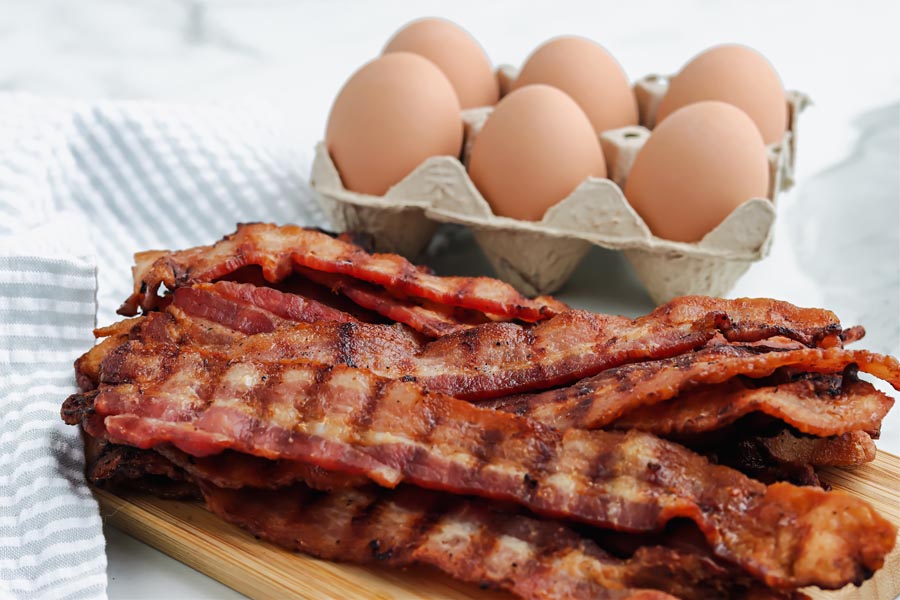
point(277, 249)
point(639, 388)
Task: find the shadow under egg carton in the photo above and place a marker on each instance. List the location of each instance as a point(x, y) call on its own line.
point(538, 257)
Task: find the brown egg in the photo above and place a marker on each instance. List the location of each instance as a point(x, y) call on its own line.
point(456, 53)
point(533, 151)
point(696, 167)
point(390, 116)
point(735, 74)
point(589, 74)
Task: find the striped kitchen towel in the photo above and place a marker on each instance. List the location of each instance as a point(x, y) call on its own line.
point(82, 187)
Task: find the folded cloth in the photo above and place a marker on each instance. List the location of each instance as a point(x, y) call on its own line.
point(82, 187)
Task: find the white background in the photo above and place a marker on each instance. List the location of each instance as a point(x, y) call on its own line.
point(837, 236)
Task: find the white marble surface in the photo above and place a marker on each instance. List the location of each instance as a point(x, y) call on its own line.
point(837, 243)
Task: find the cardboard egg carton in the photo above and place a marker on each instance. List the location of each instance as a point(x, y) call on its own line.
point(538, 257)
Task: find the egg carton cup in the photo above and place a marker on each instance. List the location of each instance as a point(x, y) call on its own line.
point(539, 257)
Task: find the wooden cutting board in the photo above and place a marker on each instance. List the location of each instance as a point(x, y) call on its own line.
point(190, 534)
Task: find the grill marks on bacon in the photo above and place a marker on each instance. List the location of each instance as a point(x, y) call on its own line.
point(533, 558)
point(350, 421)
point(621, 388)
point(407, 526)
point(469, 541)
point(493, 359)
point(498, 359)
point(484, 361)
point(633, 390)
point(278, 249)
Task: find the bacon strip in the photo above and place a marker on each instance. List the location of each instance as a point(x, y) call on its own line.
point(278, 249)
point(598, 401)
point(755, 319)
point(419, 524)
point(423, 527)
point(234, 470)
point(858, 406)
point(350, 421)
point(249, 309)
point(142, 470)
point(497, 359)
point(430, 322)
point(224, 310)
point(470, 541)
point(290, 307)
point(845, 450)
point(283, 517)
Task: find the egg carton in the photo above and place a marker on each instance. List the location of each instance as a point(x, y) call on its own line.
point(539, 257)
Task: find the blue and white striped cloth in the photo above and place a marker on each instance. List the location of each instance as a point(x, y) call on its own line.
point(82, 187)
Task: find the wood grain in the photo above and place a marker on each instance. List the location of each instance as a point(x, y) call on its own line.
point(190, 534)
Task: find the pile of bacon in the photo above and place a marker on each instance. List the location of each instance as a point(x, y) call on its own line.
point(359, 408)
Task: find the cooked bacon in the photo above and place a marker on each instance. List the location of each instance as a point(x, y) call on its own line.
point(235, 470)
point(470, 541)
point(351, 421)
point(784, 455)
point(598, 401)
point(496, 359)
point(249, 309)
point(755, 319)
point(224, 310)
point(845, 450)
point(853, 334)
point(287, 521)
point(430, 322)
point(87, 366)
point(857, 406)
point(117, 466)
point(290, 307)
point(278, 249)
point(222, 303)
point(493, 359)
point(218, 314)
